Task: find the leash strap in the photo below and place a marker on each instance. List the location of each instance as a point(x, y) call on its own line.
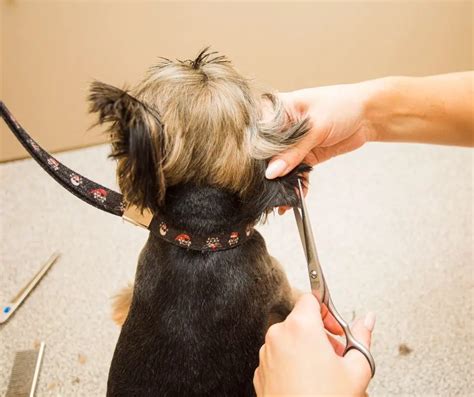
point(91, 192)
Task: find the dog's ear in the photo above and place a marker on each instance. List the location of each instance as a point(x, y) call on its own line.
point(137, 143)
point(282, 191)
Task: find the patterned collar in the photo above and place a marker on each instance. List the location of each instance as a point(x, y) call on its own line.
point(213, 242)
point(112, 202)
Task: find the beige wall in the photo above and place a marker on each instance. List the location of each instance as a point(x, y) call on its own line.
point(51, 50)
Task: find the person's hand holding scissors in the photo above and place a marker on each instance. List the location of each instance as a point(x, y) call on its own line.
point(299, 359)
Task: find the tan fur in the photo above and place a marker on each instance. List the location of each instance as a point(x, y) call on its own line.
point(121, 304)
point(213, 126)
point(202, 146)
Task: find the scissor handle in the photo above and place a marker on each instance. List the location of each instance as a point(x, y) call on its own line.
point(351, 341)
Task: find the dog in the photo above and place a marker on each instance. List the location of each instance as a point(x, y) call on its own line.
point(192, 142)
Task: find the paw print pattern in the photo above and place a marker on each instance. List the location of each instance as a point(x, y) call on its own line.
point(75, 179)
point(233, 239)
point(99, 194)
point(53, 164)
point(87, 190)
point(34, 145)
point(163, 228)
point(183, 239)
point(213, 243)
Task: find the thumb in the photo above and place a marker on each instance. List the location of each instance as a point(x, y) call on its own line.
point(313, 154)
point(285, 161)
point(357, 363)
point(362, 329)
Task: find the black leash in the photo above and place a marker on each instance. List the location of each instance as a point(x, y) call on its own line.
point(112, 202)
point(91, 192)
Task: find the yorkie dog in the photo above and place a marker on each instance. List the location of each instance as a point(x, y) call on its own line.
point(192, 143)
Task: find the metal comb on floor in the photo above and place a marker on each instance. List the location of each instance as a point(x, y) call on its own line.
point(25, 372)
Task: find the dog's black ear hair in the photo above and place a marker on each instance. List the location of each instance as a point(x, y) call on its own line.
point(137, 144)
point(282, 191)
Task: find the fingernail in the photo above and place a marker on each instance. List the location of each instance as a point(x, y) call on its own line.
point(275, 168)
point(369, 321)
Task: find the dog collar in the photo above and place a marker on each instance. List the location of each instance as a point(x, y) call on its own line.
point(213, 242)
point(112, 202)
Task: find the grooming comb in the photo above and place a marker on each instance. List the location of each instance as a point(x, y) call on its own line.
point(25, 373)
point(9, 308)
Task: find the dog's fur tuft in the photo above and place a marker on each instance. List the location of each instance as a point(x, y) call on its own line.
point(121, 304)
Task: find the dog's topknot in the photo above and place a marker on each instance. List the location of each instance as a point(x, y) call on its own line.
point(206, 57)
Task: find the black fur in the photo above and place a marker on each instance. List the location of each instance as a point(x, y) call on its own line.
point(268, 194)
point(138, 152)
point(198, 319)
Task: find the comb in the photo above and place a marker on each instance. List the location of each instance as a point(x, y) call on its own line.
point(25, 372)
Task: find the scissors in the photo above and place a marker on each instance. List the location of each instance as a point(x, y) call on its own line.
point(317, 281)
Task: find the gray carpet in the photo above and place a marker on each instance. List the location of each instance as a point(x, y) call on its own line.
point(394, 228)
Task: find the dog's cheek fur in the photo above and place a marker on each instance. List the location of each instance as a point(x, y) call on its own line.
point(136, 137)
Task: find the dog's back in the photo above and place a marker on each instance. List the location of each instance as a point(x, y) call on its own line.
point(197, 319)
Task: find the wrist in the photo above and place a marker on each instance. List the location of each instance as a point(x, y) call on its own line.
point(381, 107)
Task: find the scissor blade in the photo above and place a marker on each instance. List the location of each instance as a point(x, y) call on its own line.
point(316, 276)
point(299, 223)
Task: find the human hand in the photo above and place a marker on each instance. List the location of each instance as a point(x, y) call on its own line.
point(298, 358)
point(338, 124)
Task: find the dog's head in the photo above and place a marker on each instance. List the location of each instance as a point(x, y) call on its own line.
point(198, 121)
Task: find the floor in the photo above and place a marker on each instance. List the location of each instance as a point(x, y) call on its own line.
point(393, 224)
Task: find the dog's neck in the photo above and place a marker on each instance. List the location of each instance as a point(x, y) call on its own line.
point(202, 209)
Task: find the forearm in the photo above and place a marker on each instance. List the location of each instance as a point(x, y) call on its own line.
point(434, 109)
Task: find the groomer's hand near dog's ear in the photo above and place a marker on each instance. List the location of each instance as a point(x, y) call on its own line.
point(298, 358)
point(434, 109)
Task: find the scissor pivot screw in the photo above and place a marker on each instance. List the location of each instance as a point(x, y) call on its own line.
point(313, 274)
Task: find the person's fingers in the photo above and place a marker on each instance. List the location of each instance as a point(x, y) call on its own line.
point(330, 322)
point(306, 309)
point(362, 329)
point(276, 168)
point(261, 354)
point(357, 362)
point(258, 381)
point(337, 346)
point(305, 321)
point(284, 162)
point(349, 144)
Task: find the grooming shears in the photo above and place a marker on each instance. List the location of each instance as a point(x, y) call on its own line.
point(319, 287)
